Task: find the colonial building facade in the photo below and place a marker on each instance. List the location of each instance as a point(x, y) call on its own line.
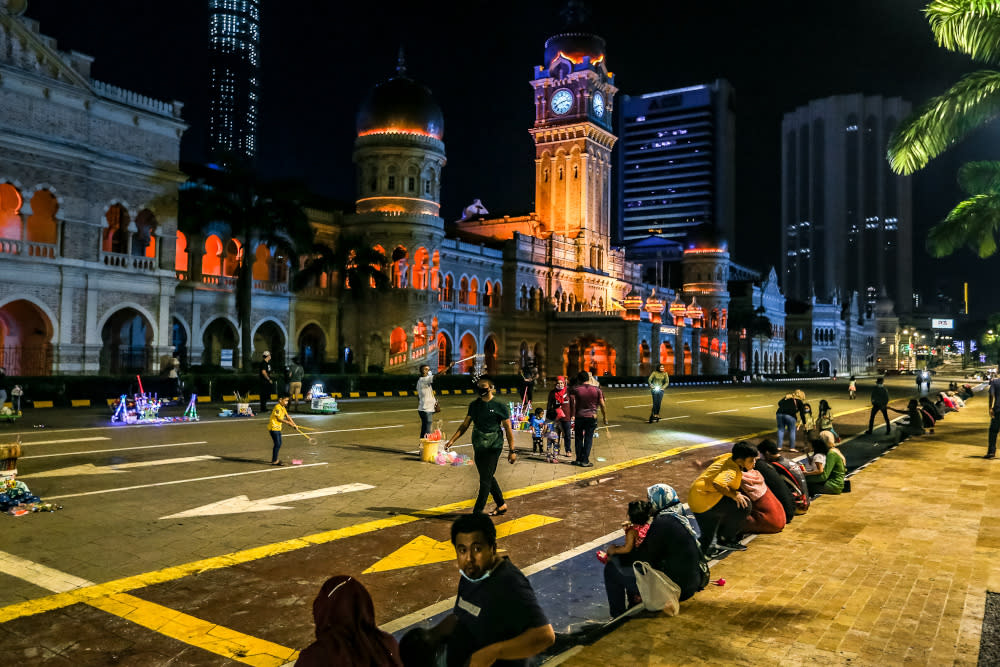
point(96, 278)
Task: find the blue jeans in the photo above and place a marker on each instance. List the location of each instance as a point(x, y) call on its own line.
point(425, 422)
point(584, 434)
point(785, 423)
point(276, 439)
point(657, 400)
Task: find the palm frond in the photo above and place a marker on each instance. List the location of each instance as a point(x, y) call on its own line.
point(980, 178)
point(973, 223)
point(971, 27)
point(943, 120)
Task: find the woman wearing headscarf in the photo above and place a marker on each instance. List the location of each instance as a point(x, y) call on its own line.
point(557, 411)
point(346, 634)
point(671, 546)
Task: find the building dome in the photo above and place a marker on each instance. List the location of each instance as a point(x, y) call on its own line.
point(400, 105)
point(575, 46)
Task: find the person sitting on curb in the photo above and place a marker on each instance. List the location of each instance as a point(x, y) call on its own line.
point(830, 467)
point(671, 546)
point(496, 617)
point(346, 633)
point(914, 424)
point(791, 474)
point(716, 501)
point(880, 399)
point(767, 515)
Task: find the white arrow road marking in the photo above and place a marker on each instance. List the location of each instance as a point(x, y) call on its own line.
point(241, 504)
point(91, 469)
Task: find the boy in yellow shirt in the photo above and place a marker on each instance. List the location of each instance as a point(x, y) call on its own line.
point(279, 416)
point(716, 501)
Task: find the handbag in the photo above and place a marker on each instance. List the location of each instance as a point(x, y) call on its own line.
point(658, 591)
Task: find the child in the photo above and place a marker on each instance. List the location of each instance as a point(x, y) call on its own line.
point(279, 416)
point(639, 514)
point(824, 421)
point(809, 422)
point(552, 440)
point(537, 425)
point(852, 389)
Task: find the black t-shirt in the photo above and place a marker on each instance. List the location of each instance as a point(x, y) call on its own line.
point(777, 485)
point(261, 368)
point(499, 608)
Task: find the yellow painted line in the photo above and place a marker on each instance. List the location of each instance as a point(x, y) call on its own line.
point(196, 632)
point(253, 397)
point(338, 395)
point(230, 398)
point(468, 391)
point(204, 399)
point(444, 391)
point(387, 393)
point(355, 394)
point(424, 550)
point(80, 402)
point(42, 404)
point(370, 394)
point(111, 401)
point(84, 595)
point(404, 393)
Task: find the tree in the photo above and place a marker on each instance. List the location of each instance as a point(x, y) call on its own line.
point(255, 212)
point(357, 271)
point(971, 27)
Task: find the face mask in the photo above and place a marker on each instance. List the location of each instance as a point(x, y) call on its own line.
point(484, 391)
point(475, 581)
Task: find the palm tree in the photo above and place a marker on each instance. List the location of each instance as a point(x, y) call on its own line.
point(971, 27)
point(357, 271)
point(256, 212)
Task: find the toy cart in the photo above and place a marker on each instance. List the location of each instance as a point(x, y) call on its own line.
point(322, 402)
point(8, 460)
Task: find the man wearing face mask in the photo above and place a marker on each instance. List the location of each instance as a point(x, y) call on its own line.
point(496, 619)
point(492, 421)
point(716, 500)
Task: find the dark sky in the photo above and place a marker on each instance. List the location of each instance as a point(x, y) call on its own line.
point(320, 57)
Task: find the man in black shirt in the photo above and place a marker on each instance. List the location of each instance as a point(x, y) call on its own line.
point(496, 619)
point(994, 405)
point(266, 382)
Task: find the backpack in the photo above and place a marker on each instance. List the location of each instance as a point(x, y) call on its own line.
point(800, 494)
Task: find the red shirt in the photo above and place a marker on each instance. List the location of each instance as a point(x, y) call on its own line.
point(585, 400)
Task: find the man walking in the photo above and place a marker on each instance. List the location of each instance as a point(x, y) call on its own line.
point(880, 399)
point(264, 379)
point(584, 401)
point(991, 450)
point(295, 376)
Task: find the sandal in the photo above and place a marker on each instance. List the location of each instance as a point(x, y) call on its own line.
point(277, 463)
point(498, 512)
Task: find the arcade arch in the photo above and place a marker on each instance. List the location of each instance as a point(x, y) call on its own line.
point(25, 339)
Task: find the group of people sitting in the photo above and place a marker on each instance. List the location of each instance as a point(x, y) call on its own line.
point(923, 413)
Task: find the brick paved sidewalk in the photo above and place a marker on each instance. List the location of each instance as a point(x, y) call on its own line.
point(894, 573)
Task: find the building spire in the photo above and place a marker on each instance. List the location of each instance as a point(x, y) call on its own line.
point(401, 62)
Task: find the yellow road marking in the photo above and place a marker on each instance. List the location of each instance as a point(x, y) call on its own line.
point(196, 632)
point(61, 600)
point(424, 550)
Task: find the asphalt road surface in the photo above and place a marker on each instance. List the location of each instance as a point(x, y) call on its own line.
point(179, 543)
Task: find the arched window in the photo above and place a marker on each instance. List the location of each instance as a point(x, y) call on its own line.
point(262, 263)
point(116, 234)
point(463, 290)
point(211, 261)
point(42, 226)
point(420, 268)
point(400, 267)
point(181, 253)
point(397, 341)
point(143, 238)
point(231, 258)
point(496, 294)
point(473, 292)
point(449, 288)
point(10, 206)
point(420, 334)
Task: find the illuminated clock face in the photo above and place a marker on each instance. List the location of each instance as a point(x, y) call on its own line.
point(562, 101)
point(598, 104)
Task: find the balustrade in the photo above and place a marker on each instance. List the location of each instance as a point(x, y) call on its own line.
point(122, 261)
point(28, 248)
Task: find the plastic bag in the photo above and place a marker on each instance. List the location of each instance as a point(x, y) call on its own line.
point(658, 591)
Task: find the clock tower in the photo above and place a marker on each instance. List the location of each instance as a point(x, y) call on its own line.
point(574, 96)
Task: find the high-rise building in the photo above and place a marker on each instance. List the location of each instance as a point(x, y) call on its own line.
point(846, 218)
point(234, 61)
point(675, 166)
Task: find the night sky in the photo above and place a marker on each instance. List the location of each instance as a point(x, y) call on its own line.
point(320, 58)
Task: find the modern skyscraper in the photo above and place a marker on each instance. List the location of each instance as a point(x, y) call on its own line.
point(234, 61)
point(846, 218)
point(675, 165)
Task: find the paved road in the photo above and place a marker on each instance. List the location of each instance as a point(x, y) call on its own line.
point(133, 544)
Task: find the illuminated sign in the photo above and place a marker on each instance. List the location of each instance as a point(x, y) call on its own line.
point(669, 330)
point(942, 324)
